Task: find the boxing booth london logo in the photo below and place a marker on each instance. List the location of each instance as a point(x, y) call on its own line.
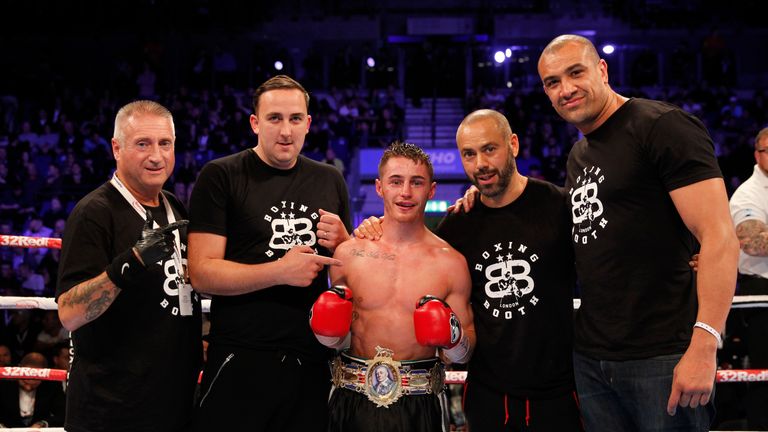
point(291, 226)
point(509, 286)
point(179, 296)
point(586, 207)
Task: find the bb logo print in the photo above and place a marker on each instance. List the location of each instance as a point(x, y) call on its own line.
point(287, 233)
point(291, 225)
point(586, 207)
point(509, 286)
point(178, 299)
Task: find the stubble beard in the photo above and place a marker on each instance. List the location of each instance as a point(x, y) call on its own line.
point(504, 179)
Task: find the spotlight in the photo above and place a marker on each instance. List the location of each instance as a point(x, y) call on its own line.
point(508, 52)
point(499, 57)
point(608, 49)
point(370, 62)
point(279, 65)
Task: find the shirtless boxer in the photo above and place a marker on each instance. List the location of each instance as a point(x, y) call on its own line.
point(409, 294)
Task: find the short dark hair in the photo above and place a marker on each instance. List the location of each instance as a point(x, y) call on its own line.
point(408, 151)
point(278, 82)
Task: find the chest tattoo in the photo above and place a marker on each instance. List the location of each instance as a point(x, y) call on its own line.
point(372, 254)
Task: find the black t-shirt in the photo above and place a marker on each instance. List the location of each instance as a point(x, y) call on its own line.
point(632, 248)
point(263, 212)
point(521, 263)
point(136, 366)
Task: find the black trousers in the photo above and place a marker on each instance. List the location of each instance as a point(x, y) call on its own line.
point(262, 391)
point(489, 410)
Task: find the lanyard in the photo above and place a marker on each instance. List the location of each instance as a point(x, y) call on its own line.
point(184, 290)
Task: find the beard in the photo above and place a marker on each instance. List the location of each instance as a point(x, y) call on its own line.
point(504, 178)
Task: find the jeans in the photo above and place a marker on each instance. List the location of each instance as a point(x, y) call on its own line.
point(632, 395)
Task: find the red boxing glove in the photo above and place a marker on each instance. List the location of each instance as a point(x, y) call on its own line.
point(435, 323)
point(331, 315)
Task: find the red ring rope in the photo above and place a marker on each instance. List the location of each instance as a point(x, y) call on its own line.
point(29, 242)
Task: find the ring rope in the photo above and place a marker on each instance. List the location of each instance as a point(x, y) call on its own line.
point(451, 377)
point(49, 303)
point(56, 429)
point(29, 242)
point(21, 372)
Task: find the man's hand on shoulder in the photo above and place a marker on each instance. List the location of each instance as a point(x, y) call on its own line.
point(370, 229)
point(466, 202)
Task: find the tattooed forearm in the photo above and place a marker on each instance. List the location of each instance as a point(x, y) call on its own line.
point(98, 306)
point(89, 299)
point(753, 236)
point(372, 254)
point(83, 293)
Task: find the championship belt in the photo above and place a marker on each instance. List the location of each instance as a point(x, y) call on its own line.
point(383, 384)
point(384, 380)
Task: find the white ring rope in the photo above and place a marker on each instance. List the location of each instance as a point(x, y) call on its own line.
point(48, 303)
point(33, 429)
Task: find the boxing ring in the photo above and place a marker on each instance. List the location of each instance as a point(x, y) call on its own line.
point(452, 377)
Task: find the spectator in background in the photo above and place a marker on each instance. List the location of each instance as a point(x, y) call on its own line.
point(32, 283)
point(331, 159)
point(31, 403)
point(145, 81)
point(52, 333)
point(35, 228)
point(61, 359)
point(53, 211)
point(21, 333)
point(9, 283)
point(5, 355)
point(749, 210)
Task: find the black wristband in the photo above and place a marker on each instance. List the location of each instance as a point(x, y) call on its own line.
point(122, 271)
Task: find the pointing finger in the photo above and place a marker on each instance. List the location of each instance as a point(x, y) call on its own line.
point(174, 226)
point(324, 260)
point(149, 221)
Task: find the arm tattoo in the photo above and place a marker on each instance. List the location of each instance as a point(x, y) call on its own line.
point(84, 293)
point(98, 306)
point(753, 236)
